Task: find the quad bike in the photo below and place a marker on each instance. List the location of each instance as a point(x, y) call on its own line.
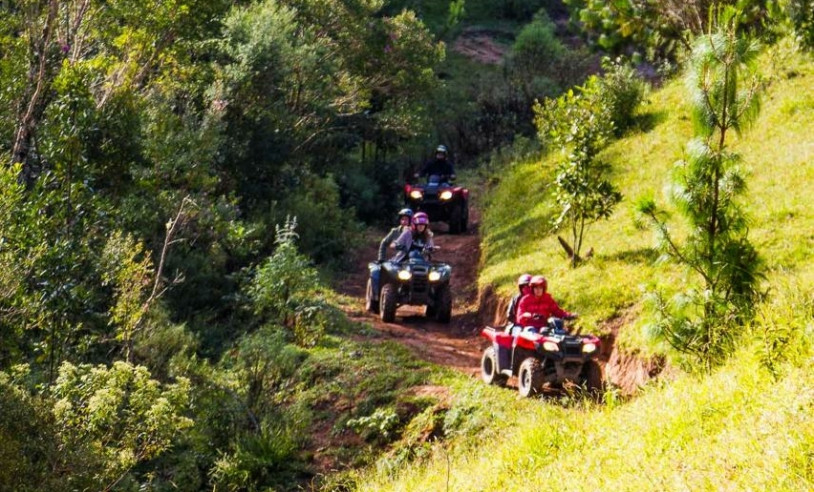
point(547, 357)
point(441, 200)
point(416, 281)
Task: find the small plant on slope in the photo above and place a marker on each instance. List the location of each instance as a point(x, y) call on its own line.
point(580, 126)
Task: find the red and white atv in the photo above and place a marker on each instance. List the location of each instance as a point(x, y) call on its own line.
point(548, 357)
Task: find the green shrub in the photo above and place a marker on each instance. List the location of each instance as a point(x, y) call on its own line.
point(379, 426)
point(286, 290)
point(801, 15)
point(325, 230)
point(536, 51)
point(257, 461)
point(622, 91)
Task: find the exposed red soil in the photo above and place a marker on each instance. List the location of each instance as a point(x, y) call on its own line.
point(480, 46)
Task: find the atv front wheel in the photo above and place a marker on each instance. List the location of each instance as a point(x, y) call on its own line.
point(443, 309)
point(530, 377)
point(455, 219)
point(465, 219)
point(388, 303)
point(488, 369)
point(371, 303)
point(591, 376)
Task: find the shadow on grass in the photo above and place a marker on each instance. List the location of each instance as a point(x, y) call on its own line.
point(646, 256)
point(527, 229)
point(647, 122)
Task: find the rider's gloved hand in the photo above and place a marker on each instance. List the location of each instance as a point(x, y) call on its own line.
point(572, 316)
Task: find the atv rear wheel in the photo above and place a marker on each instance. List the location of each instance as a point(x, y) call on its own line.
point(443, 308)
point(371, 303)
point(388, 303)
point(488, 369)
point(530, 377)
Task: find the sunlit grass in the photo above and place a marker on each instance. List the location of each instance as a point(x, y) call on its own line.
point(695, 434)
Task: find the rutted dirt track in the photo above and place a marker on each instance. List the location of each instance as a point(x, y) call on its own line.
point(458, 344)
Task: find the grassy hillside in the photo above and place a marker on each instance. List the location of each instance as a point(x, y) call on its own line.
point(778, 152)
point(745, 427)
point(720, 433)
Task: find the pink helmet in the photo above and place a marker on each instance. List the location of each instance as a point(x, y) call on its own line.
point(421, 218)
point(539, 280)
point(524, 279)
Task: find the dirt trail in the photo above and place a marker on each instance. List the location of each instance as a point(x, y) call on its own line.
point(458, 344)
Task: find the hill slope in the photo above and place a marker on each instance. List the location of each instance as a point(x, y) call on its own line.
point(747, 426)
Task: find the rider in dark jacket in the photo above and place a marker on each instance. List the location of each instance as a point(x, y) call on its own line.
point(440, 165)
point(511, 312)
point(405, 218)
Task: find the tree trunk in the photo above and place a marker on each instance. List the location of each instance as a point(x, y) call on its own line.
point(569, 251)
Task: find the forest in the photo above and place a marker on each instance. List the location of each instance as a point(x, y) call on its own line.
point(186, 182)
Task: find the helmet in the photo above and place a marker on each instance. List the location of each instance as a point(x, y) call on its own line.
point(421, 218)
point(523, 280)
point(407, 212)
point(539, 280)
point(441, 149)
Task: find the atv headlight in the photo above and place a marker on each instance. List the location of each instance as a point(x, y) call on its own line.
point(445, 195)
point(551, 347)
point(405, 274)
point(434, 276)
point(416, 194)
point(588, 348)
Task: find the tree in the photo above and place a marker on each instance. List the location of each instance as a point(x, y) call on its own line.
point(705, 189)
point(660, 28)
point(118, 413)
point(579, 125)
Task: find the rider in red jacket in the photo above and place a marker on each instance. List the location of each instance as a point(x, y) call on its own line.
point(535, 308)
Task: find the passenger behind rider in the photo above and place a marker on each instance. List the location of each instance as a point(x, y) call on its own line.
point(405, 221)
point(511, 313)
point(440, 165)
point(419, 237)
point(535, 308)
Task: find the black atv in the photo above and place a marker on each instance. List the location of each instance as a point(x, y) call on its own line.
point(415, 281)
point(441, 200)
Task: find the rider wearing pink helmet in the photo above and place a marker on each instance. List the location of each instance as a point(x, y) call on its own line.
point(535, 308)
point(419, 237)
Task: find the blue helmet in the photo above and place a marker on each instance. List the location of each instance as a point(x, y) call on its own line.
point(407, 212)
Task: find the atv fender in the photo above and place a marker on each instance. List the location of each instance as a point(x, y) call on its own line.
point(498, 338)
point(504, 359)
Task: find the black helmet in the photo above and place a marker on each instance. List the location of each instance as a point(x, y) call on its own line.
point(407, 212)
point(441, 149)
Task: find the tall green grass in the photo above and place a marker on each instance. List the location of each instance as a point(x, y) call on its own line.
point(739, 429)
